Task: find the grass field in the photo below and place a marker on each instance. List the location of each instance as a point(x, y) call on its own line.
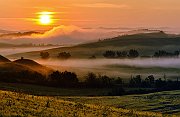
point(29, 100)
point(167, 102)
point(18, 104)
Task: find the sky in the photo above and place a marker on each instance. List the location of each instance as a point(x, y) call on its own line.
point(19, 14)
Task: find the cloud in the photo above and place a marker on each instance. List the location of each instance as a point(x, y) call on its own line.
point(102, 5)
point(58, 31)
point(63, 34)
point(68, 35)
point(73, 34)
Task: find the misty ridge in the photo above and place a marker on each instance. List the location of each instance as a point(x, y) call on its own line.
point(72, 34)
point(15, 50)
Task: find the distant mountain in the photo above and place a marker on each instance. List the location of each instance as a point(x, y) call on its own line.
point(19, 34)
point(145, 43)
point(68, 35)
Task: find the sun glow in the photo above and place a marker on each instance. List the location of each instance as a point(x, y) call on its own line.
point(45, 18)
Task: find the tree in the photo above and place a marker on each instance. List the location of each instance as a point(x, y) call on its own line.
point(104, 81)
point(133, 53)
point(64, 55)
point(121, 54)
point(148, 82)
point(109, 54)
point(119, 81)
point(176, 53)
point(91, 79)
point(135, 81)
point(44, 55)
point(63, 79)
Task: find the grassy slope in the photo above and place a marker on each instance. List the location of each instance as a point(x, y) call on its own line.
point(80, 102)
point(167, 102)
point(145, 43)
point(17, 67)
point(13, 104)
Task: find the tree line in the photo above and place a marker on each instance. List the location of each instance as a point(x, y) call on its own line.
point(61, 55)
point(163, 53)
point(132, 53)
point(70, 80)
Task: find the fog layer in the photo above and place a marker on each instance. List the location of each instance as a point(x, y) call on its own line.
point(148, 62)
point(15, 50)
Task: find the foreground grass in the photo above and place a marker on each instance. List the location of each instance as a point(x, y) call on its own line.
point(166, 102)
point(19, 104)
point(31, 100)
point(52, 91)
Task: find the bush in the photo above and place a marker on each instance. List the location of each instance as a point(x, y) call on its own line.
point(133, 53)
point(98, 82)
point(109, 54)
point(44, 55)
point(63, 79)
point(64, 55)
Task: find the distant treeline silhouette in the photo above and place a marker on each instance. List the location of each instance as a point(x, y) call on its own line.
point(163, 53)
point(121, 54)
point(61, 55)
point(69, 80)
point(132, 53)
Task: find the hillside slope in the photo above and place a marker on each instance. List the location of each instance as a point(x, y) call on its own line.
point(145, 43)
point(22, 70)
point(4, 59)
point(19, 104)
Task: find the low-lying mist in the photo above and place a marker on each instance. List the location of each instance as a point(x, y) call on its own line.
point(15, 50)
point(118, 67)
point(140, 62)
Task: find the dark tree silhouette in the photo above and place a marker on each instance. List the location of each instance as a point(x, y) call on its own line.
point(133, 53)
point(109, 54)
point(135, 81)
point(64, 55)
point(121, 54)
point(44, 55)
point(163, 53)
point(63, 79)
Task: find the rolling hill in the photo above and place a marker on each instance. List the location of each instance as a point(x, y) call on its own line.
point(145, 43)
point(34, 66)
point(4, 59)
point(21, 70)
point(46, 101)
point(20, 104)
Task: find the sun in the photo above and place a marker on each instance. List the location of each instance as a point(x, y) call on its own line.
point(45, 18)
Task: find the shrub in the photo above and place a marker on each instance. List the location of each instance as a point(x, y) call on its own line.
point(44, 55)
point(64, 55)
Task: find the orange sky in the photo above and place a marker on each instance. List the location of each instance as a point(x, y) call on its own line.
point(17, 14)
